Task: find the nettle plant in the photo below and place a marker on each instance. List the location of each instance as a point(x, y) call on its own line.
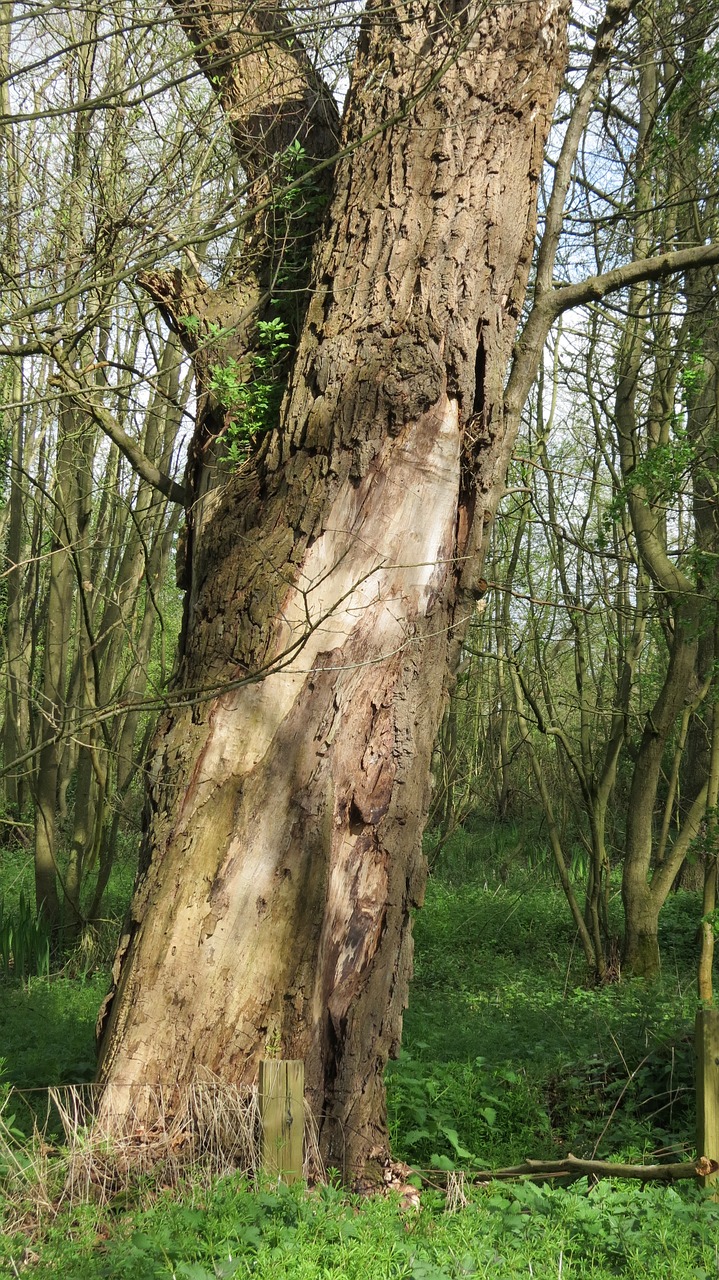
point(251, 401)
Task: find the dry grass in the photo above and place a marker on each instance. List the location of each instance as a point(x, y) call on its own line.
point(207, 1131)
point(456, 1193)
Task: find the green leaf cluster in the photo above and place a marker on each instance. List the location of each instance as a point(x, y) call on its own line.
point(250, 391)
point(693, 375)
point(251, 402)
point(430, 1104)
point(662, 474)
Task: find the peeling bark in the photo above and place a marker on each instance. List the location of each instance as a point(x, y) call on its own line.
point(330, 582)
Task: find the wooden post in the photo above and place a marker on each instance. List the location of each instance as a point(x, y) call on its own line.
point(281, 1097)
point(707, 1053)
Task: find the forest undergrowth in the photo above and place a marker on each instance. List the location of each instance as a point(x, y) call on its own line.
point(507, 1054)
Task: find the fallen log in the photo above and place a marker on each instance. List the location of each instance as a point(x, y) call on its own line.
point(574, 1167)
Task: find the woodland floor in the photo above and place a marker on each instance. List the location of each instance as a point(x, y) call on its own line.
point(507, 1054)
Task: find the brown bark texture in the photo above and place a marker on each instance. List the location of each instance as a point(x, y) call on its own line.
point(329, 583)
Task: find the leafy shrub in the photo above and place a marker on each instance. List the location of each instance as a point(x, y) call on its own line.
point(468, 1115)
point(251, 397)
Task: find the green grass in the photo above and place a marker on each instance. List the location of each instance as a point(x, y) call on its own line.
point(324, 1235)
point(507, 1054)
point(47, 1025)
point(500, 1010)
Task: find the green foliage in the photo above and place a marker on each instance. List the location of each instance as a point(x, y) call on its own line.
point(484, 853)
point(662, 474)
point(14, 1147)
point(508, 1054)
point(693, 375)
point(422, 1121)
point(295, 214)
point(47, 1025)
point(250, 391)
point(190, 323)
point(47, 1032)
point(287, 1234)
point(24, 942)
point(689, 119)
point(251, 401)
point(498, 971)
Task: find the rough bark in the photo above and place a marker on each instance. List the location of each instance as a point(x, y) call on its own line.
point(273, 99)
point(329, 582)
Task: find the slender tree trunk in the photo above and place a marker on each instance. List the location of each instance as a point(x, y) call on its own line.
point(14, 740)
point(641, 894)
point(68, 519)
point(448, 740)
point(53, 701)
point(283, 854)
point(711, 851)
point(15, 690)
point(686, 598)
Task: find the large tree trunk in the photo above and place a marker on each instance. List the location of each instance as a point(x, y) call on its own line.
point(330, 581)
